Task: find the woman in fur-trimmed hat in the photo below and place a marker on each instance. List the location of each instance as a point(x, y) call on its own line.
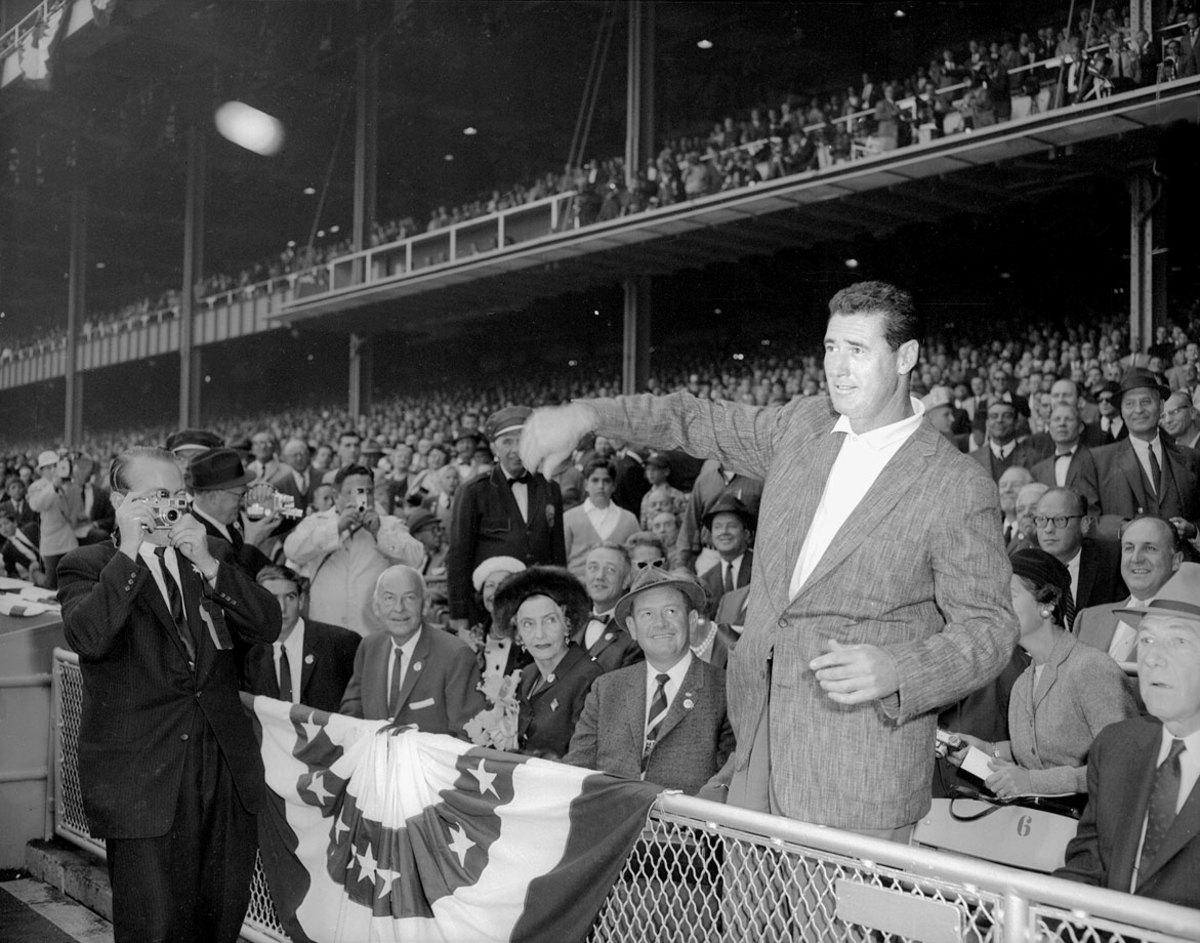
point(546, 605)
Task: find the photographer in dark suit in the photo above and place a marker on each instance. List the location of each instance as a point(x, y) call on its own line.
point(311, 662)
point(169, 769)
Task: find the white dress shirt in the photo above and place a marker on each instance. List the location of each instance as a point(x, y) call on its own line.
point(295, 651)
point(735, 565)
point(603, 520)
point(858, 464)
point(406, 653)
point(1189, 773)
point(1124, 639)
point(596, 627)
point(1062, 462)
point(1002, 451)
point(146, 552)
point(520, 493)
point(1142, 449)
point(671, 688)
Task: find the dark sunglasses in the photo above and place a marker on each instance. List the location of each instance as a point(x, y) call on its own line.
point(642, 564)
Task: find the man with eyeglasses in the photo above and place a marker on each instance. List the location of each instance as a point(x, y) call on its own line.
point(1063, 531)
point(218, 482)
point(311, 662)
point(1179, 419)
point(606, 576)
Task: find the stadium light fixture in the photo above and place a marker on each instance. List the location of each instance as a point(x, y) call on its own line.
point(704, 44)
point(291, 243)
point(335, 228)
point(310, 191)
point(320, 233)
point(470, 132)
point(448, 157)
point(852, 263)
point(246, 126)
point(101, 265)
point(899, 14)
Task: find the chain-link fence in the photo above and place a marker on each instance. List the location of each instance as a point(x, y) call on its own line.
point(707, 873)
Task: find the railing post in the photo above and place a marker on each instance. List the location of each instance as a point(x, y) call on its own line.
point(1015, 926)
point(500, 231)
point(453, 243)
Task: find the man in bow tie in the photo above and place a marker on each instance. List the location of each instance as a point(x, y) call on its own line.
point(511, 512)
point(169, 769)
point(606, 577)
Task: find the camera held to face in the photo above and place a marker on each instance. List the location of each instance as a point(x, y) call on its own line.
point(167, 509)
point(262, 500)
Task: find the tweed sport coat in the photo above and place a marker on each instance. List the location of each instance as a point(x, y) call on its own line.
point(918, 569)
point(694, 741)
point(438, 693)
point(1120, 775)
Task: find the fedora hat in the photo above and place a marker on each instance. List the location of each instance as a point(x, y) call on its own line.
point(653, 576)
point(1179, 596)
point(1140, 379)
point(728, 504)
point(217, 469)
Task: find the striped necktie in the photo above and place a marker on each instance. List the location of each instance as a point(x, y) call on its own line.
point(658, 711)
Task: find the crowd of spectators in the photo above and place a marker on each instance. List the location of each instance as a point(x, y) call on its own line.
point(955, 91)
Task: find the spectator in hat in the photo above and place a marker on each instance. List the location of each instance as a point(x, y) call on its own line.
point(56, 498)
point(939, 410)
point(713, 481)
point(598, 520)
point(1147, 473)
point(217, 482)
point(545, 606)
point(665, 720)
point(343, 550)
point(186, 444)
point(1079, 691)
point(1002, 450)
point(509, 512)
point(427, 528)
point(500, 653)
point(731, 530)
point(1179, 419)
point(661, 496)
point(1140, 832)
point(465, 444)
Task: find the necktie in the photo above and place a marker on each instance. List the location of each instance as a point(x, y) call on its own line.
point(235, 535)
point(1163, 796)
point(728, 586)
point(175, 603)
point(285, 675)
point(1155, 471)
point(658, 710)
point(397, 680)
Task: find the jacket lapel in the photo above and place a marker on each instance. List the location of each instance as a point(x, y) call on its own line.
point(635, 708)
point(899, 475)
point(309, 664)
point(1049, 674)
point(416, 664)
point(744, 573)
point(1185, 828)
point(206, 647)
point(1087, 574)
point(819, 453)
point(154, 599)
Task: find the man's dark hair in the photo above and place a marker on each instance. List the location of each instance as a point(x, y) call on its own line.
point(349, 434)
point(118, 471)
point(903, 324)
point(598, 463)
point(349, 471)
point(273, 572)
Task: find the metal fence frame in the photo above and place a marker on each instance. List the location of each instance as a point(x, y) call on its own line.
point(704, 872)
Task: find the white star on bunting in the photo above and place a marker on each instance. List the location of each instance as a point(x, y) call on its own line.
point(367, 864)
point(311, 730)
point(461, 844)
point(317, 788)
point(388, 877)
point(485, 780)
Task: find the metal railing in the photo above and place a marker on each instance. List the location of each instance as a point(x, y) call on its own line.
point(703, 873)
point(27, 24)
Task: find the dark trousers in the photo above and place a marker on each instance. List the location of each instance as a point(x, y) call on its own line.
point(50, 568)
point(191, 885)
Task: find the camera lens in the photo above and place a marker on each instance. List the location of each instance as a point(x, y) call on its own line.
point(171, 515)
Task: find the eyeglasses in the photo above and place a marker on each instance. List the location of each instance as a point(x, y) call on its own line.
point(1058, 521)
point(642, 564)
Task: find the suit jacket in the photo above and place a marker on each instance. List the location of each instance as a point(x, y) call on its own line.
point(616, 648)
point(1120, 774)
point(102, 516)
point(326, 670)
point(694, 741)
point(1023, 454)
point(26, 515)
point(142, 700)
point(438, 693)
point(714, 585)
point(549, 713)
point(930, 522)
point(1099, 573)
point(486, 522)
point(1095, 626)
point(1125, 491)
point(1081, 476)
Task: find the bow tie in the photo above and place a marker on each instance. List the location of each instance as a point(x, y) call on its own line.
point(523, 479)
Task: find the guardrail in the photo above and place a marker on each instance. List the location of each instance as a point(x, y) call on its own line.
point(705, 872)
point(27, 24)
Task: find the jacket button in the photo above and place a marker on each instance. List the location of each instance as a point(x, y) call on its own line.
point(183, 736)
point(783, 623)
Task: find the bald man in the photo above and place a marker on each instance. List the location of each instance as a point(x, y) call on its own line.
point(1179, 419)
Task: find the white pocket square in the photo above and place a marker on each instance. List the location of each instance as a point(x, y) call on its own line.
point(417, 705)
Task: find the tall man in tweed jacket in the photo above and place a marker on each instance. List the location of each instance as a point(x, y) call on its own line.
point(881, 588)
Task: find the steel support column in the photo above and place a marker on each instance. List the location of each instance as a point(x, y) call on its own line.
point(1147, 262)
point(1141, 17)
point(361, 370)
point(639, 113)
point(193, 266)
point(635, 353)
point(366, 137)
point(76, 312)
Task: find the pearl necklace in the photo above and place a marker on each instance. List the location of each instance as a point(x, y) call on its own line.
point(708, 640)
